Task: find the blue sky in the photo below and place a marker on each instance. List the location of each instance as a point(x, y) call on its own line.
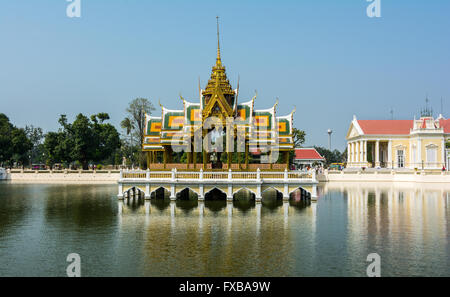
point(325, 57)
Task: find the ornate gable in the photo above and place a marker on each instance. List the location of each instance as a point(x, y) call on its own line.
point(353, 131)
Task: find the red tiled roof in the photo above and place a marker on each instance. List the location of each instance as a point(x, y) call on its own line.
point(445, 124)
point(389, 127)
point(307, 154)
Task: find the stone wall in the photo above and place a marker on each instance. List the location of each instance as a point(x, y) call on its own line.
point(65, 176)
point(386, 176)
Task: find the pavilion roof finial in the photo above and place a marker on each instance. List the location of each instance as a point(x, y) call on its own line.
point(218, 42)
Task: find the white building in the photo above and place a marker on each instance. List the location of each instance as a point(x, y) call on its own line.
point(421, 144)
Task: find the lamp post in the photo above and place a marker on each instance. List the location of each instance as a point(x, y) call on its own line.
point(329, 138)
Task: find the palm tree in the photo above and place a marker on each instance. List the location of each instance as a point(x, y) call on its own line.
point(128, 125)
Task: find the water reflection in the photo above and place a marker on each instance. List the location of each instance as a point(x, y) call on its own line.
point(407, 224)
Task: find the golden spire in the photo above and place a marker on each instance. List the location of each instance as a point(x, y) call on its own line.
point(218, 85)
point(219, 61)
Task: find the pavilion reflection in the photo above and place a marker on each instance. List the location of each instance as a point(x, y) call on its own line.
point(187, 206)
point(182, 243)
point(247, 236)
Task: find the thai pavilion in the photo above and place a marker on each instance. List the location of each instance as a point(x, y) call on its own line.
point(218, 123)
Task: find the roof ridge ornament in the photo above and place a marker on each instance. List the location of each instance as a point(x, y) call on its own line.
point(219, 61)
point(256, 95)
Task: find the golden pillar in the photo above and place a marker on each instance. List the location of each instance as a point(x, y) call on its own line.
point(149, 161)
point(271, 160)
point(188, 159)
point(205, 156)
point(246, 156)
point(239, 160)
point(286, 159)
point(165, 157)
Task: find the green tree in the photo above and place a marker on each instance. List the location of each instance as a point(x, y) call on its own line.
point(128, 125)
point(106, 136)
point(136, 114)
point(330, 156)
point(84, 140)
point(298, 137)
point(35, 135)
point(6, 129)
point(14, 143)
point(53, 149)
point(21, 146)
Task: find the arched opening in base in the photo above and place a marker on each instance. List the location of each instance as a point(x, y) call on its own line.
point(272, 198)
point(300, 195)
point(187, 194)
point(134, 198)
point(244, 200)
point(187, 200)
point(215, 195)
point(160, 193)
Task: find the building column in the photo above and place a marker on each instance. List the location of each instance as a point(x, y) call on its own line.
point(246, 156)
point(165, 157)
point(258, 196)
point(443, 153)
point(377, 153)
point(239, 160)
point(361, 152)
point(391, 165)
point(201, 194)
point(205, 155)
point(419, 153)
point(286, 159)
point(365, 152)
point(358, 153)
point(189, 160)
point(349, 154)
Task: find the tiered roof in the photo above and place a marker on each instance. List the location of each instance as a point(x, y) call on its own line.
point(218, 99)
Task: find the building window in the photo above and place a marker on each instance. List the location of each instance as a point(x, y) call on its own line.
point(400, 158)
point(432, 156)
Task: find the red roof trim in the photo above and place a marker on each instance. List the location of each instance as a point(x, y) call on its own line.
point(445, 124)
point(386, 127)
point(307, 154)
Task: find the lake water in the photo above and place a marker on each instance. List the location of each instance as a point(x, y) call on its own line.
point(407, 226)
